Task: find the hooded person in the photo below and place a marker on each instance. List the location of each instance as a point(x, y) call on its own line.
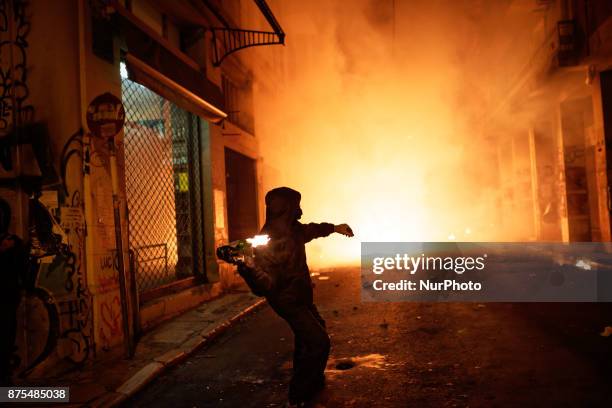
point(280, 273)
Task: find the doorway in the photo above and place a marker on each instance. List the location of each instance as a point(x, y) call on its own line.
point(241, 185)
point(163, 191)
point(606, 104)
point(580, 171)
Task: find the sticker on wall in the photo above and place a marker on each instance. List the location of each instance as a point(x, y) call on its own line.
point(105, 116)
point(183, 182)
point(72, 218)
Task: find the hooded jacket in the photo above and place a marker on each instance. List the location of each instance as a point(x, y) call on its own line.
point(281, 273)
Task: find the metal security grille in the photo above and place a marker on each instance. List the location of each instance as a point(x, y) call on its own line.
point(163, 185)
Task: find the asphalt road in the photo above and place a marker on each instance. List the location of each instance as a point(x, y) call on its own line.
point(407, 355)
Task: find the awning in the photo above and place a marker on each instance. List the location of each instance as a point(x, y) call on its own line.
point(145, 75)
point(167, 72)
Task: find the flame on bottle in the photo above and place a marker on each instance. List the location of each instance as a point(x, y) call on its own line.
point(258, 240)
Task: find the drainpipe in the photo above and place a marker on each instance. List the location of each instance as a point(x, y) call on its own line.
point(87, 201)
point(127, 338)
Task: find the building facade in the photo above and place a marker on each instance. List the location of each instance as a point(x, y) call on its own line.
point(552, 124)
point(180, 177)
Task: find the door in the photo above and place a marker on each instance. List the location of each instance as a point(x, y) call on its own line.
point(241, 185)
point(606, 104)
point(163, 186)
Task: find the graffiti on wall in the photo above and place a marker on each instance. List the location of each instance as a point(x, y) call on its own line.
point(14, 29)
point(56, 299)
point(59, 281)
point(77, 309)
point(55, 315)
point(56, 312)
point(107, 270)
point(110, 320)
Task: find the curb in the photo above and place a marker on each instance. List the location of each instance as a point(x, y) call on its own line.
point(159, 364)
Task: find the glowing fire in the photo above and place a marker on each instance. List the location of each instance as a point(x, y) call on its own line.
point(258, 240)
point(388, 141)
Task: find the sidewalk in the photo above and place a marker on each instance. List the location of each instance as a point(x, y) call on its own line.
point(112, 379)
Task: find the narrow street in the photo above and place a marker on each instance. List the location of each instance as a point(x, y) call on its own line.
point(148, 147)
point(406, 354)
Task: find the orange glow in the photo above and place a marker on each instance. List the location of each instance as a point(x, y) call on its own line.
point(258, 240)
point(375, 121)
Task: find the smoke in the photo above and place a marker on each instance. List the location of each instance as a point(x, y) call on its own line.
point(376, 118)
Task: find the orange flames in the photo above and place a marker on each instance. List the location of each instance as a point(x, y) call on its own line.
point(258, 240)
point(373, 122)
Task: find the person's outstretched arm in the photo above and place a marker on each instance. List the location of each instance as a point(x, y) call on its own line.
point(314, 230)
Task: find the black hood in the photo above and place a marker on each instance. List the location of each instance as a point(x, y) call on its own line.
point(282, 211)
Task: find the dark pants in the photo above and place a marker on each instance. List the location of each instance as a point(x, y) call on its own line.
point(311, 350)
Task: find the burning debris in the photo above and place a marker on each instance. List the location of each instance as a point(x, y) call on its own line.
point(238, 252)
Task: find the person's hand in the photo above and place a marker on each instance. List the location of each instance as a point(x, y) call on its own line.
point(343, 229)
point(249, 262)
